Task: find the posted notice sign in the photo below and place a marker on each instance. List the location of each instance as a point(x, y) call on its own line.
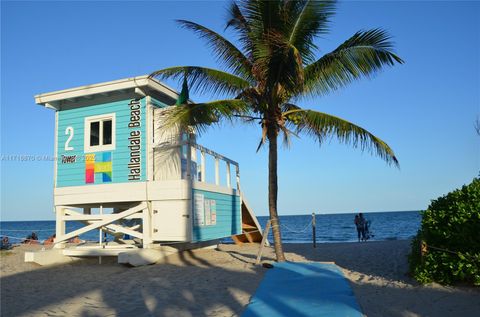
point(205, 211)
point(199, 208)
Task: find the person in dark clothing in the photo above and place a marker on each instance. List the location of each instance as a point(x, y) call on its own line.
point(362, 223)
point(359, 227)
point(31, 239)
point(5, 244)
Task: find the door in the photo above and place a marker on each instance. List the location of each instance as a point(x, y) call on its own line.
point(171, 220)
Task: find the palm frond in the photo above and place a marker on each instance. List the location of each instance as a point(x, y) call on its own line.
point(363, 54)
point(280, 66)
point(263, 16)
point(263, 139)
point(287, 108)
point(202, 115)
point(239, 23)
point(291, 115)
point(202, 79)
point(321, 126)
point(225, 51)
point(309, 19)
point(287, 136)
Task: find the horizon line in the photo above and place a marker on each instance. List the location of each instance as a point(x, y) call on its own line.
point(259, 215)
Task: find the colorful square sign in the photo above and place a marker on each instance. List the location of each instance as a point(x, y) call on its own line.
point(100, 164)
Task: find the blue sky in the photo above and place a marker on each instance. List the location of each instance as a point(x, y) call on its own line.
point(424, 109)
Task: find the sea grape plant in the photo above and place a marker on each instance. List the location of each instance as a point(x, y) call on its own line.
point(450, 234)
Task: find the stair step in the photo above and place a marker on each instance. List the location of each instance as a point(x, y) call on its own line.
point(248, 226)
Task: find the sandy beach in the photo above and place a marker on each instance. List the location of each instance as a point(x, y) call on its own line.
point(218, 282)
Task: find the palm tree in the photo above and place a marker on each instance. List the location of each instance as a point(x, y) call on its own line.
point(274, 65)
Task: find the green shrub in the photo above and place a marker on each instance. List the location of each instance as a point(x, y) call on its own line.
point(451, 222)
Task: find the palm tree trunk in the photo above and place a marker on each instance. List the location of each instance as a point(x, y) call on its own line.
point(272, 195)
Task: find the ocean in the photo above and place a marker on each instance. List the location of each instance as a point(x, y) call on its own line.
point(400, 225)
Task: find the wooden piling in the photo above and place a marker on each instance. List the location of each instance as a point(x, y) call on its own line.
point(264, 239)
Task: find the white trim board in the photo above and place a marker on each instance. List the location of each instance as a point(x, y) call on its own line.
point(105, 88)
point(129, 192)
point(214, 188)
point(121, 192)
point(101, 193)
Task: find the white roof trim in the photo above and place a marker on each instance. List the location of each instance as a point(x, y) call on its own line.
point(105, 87)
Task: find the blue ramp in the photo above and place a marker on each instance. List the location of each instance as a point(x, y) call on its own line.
point(303, 289)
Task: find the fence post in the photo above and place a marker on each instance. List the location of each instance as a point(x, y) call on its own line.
point(314, 236)
point(423, 250)
point(264, 239)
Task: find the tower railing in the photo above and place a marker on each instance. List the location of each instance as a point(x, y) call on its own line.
point(199, 172)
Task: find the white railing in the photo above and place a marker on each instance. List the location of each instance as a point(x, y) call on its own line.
point(189, 153)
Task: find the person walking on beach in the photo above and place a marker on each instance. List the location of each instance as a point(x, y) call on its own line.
point(359, 226)
point(363, 226)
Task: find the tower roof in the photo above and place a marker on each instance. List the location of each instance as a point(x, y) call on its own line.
point(139, 86)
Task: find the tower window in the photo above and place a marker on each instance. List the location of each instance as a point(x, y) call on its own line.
point(100, 133)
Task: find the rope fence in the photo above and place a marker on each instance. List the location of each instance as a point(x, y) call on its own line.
point(27, 230)
point(424, 248)
point(52, 231)
point(308, 226)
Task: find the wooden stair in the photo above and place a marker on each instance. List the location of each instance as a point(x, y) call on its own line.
point(251, 229)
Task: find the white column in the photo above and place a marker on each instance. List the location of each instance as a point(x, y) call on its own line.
point(189, 159)
point(237, 172)
point(147, 226)
point(217, 174)
point(100, 231)
point(193, 155)
point(59, 225)
point(229, 184)
point(202, 166)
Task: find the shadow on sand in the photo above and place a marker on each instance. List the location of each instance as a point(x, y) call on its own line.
point(190, 283)
point(220, 283)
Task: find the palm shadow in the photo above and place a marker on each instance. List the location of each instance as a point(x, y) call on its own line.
point(191, 283)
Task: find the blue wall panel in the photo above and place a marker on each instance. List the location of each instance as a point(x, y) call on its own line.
point(73, 174)
point(229, 217)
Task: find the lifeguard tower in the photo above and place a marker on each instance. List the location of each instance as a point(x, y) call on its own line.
point(119, 170)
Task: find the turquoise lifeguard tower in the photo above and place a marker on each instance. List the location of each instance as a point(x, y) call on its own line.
point(120, 171)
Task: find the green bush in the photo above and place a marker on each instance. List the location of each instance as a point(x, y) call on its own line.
point(451, 222)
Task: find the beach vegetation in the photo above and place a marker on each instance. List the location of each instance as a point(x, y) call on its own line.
point(447, 247)
point(272, 64)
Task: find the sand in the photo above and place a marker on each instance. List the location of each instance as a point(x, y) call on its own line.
point(218, 282)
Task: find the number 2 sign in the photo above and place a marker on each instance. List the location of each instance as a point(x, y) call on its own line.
point(69, 132)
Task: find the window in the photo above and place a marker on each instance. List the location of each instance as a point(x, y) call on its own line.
point(107, 132)
point(100, 133)
point(94, 133)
